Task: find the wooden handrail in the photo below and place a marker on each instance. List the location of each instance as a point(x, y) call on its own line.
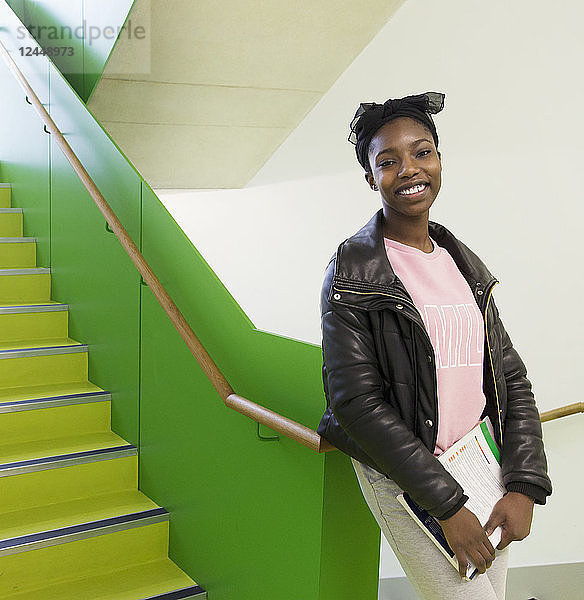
point(278, 423)
point(295, 431)
point(563, 411)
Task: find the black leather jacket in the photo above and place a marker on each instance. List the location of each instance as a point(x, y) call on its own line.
point(380, 379)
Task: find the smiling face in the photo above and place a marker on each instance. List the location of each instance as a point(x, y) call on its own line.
point(405, 167)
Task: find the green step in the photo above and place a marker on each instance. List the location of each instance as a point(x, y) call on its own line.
point(149, 581)
point(25, 286)
point(10, 222)
point(5, 195)
point(17, 252)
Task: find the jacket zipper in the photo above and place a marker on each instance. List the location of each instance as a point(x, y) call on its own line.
point(492, 366)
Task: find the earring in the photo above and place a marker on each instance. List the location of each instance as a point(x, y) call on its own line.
point(375, 188)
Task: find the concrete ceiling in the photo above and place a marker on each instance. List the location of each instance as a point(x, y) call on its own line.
point(214, 88)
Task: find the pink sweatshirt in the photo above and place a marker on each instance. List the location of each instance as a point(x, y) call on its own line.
point(455, 326)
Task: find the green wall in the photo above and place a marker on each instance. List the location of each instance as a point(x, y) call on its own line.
point(250, 519)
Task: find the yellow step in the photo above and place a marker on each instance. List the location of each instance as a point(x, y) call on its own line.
point(25, 286)
point(66, 468)
point(59, 421)
point(17, 252)
point(29, 366)
point(29, 521)
point(45, 343)
point(34, 321)
point(49, 392)
point(5, 192)
point(84, 553)
point(151, 581)
point(13, 455)
point(107, 472)
point(10, 222)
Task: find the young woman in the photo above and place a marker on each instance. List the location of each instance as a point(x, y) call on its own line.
point(415, 354)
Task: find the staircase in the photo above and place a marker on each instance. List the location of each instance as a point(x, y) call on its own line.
point(73, 524)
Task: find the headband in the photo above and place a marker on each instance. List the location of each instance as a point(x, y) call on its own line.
point(371, 116)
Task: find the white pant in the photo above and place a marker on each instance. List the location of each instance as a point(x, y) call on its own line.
point(429, 572)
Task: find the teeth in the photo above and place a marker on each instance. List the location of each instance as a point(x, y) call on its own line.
point(414, 189)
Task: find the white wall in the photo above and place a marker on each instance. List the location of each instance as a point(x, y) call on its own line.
point(511, 139)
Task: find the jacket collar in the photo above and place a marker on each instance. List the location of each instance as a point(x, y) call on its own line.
point(362, 261)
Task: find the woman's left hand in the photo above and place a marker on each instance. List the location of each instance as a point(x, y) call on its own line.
point(513, 513)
